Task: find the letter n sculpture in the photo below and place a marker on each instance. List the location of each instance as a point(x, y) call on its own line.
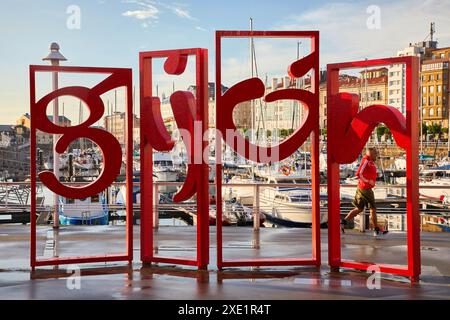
point(348, 131)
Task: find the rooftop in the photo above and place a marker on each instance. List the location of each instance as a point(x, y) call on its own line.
point(6, 128)
point(50, 117)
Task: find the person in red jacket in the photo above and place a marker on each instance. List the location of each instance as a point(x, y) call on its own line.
point(364, 197)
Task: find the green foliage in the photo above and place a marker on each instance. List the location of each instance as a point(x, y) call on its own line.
point(424, 129)
point(435, 129)
point(283, 133)
point(383, 130)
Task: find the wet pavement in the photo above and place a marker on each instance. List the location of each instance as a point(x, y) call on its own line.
point(123, 281)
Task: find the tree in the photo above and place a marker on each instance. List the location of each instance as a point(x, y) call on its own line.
point(435, 129)
point(283, 133)
point(381, 131)
point(424, 129)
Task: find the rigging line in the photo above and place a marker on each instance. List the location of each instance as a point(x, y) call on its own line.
point(297, 86)
point(255, 65)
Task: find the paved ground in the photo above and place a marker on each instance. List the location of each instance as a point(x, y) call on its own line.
point(120, 281)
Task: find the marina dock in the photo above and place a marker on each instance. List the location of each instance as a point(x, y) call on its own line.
point(123, 281)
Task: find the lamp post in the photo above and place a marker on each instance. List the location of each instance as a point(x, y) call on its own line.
point(55, 57)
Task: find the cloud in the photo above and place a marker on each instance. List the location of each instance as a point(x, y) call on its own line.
point(150, 11)
point(182, 13)
point(146, 11)
point(345, 35)
point(142, 14)
point(200, 28)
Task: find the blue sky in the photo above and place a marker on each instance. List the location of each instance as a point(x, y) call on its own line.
point(114, 31)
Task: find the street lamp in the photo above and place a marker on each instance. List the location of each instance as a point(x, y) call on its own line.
point(55, 57)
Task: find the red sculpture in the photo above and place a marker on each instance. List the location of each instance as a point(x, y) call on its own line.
point(254, 88)
point(188, 111)
point(354, 128)
point(108, 144)
point(348, 132)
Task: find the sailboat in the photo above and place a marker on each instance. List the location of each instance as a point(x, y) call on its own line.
point(92, 210)
point(284, 206)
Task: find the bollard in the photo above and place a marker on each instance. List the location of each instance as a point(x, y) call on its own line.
point(362, 225)
point(256, 215)
point(156, 206)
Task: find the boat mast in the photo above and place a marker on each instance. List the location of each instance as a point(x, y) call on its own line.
point(80, 120)
point(252, 102)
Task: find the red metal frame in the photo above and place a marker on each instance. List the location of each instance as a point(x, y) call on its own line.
point(108, 144)
point(252, 89)
point(348, 131)
point(186, 109)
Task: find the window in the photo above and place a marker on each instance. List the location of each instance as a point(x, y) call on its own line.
point(431, 112)
point(430, 101)
point(439, 88)
point(424, 89)
point(439, 112)
point(431, 77)
point(424, 111)
point(431, 89)
point(438, 100)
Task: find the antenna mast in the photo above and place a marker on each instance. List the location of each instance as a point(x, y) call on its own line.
point(432, 31)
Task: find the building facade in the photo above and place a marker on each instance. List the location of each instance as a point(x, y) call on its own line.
point(116, 124)
point(434, 91)
point(397, 73)
point(371, 87)
point(43, 138)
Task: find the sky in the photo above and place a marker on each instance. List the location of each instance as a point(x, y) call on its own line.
point(110, 33)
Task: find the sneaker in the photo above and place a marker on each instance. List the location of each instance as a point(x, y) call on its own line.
point(379, 232)
point(343, 224)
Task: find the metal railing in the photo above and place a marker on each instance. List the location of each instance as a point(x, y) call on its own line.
point(7, 188)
